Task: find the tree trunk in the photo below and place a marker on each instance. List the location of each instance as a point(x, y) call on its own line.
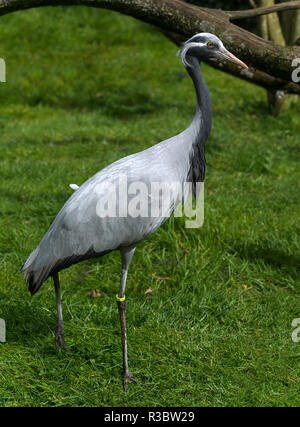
point(290, 24)
point(270, 29)
point(278, 102)
point(275, 32)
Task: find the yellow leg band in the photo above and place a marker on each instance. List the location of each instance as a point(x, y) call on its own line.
point(120, 299)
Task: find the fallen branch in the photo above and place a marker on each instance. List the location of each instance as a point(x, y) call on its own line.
point(251, 13)
point(185, 20)
point(251, 75)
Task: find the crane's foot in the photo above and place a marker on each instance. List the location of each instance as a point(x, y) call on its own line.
point(60, 337)
point(128, 379)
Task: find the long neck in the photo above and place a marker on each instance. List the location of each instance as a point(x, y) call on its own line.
point(203, 116)
point(201, 123)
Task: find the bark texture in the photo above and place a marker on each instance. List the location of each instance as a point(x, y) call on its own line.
point(274, 62)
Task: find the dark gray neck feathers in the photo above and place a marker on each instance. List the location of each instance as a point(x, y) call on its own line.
point(201, 123)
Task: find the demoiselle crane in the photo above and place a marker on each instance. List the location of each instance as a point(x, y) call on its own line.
point(80, 231)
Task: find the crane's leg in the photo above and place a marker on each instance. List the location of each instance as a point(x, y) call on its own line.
point(126, 255)
point(59, 328)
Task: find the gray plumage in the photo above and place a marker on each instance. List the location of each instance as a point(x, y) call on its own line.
point(78, 233)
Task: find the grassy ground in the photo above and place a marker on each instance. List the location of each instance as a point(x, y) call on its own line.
point(84, 88)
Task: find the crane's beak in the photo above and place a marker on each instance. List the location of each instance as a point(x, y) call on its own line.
point(230, 57)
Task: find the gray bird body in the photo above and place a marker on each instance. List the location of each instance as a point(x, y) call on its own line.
point(80, 232)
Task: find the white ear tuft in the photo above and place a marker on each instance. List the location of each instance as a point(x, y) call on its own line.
point(74, 186)
point(184, 49)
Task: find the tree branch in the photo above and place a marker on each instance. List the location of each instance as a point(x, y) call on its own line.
point(185, 20)
point(251, 13)
point(251, 75)
point(259, 78)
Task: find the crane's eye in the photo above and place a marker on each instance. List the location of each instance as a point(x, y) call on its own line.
point(210, 45)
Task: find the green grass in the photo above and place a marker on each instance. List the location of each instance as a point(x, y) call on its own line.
point(218, 330)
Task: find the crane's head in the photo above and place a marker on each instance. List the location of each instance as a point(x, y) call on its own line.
point(206, 46)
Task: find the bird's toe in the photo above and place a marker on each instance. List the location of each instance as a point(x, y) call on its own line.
point(60, 338)
point(128, 378)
